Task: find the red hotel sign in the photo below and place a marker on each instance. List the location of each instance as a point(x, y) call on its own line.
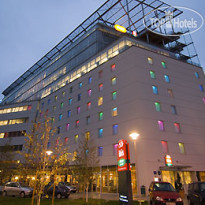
point(123, 156)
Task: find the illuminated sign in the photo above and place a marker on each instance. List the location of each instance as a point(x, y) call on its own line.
point(168, 161)
point(134, 33)
point(120, 28)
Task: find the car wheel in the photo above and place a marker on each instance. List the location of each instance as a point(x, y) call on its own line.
point(58, 196)
point(22, 194)
point(4, 193)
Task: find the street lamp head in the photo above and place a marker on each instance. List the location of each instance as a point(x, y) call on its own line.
point(49, 152)
point(134, 135)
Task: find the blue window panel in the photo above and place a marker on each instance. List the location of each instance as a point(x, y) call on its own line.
point(48, 145)
point(60, 117)
point(155, 90)
point(174, 110)
point(69, 113)
point(167, 79)
point(89, 80)
point(80, 85)
point(100, 132)
point(49, 100)
point(115, 129)
point(100, 151)
point(197, 75)
point(70, 101)
point(201, 88)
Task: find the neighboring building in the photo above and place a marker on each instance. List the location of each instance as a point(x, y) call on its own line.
point(102, 84)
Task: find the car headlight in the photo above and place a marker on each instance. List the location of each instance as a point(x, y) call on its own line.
point(179, 199)
point(158, 198)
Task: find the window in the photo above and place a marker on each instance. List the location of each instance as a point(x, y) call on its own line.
point(100, 132)
point(63, 93)
point(201, 88)
point(62, 104)
point(165, 147)
point(67, 126)
point(197, 75)
point(155, 90)
point(42, 105)
point(54, 108)
point(60, 117)
point(174, 110)
point(100, 151)
point(87, 120)
point(48, 145)
point(78, 110)
point(204, 100)
point(87, 135)
point(114, 95)
point(80, 85)
point(89, 80)
point(114, 112)
point(56, 98)
point(177, 127)
point(66, 140)
point(112, 67)
point(52, 119)
point(115, 129)
point(152, 74)
point(49, 100)
point(113, 81)
point(115, 149)
point(170, 92)
point(166, 78)
point(100, 115)
point(58, 130)
point(76, 138)
point(70, 101)
point(88, 105)
point(149, 60)
point(100, 87)
point(181, 148)
point(77, 123)
point(100, 101)
point(79, 97)
point(69, 113)
point(89, 92)
point(71, 89)
point(161, 125)
point(164, 64)
point(100, 74)
point(157, 106)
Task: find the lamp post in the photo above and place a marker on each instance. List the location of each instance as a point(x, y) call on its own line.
point(134, 136)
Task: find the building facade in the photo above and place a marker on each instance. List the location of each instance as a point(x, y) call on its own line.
point(107, 85)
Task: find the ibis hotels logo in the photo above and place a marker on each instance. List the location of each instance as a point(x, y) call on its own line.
point(166, 19)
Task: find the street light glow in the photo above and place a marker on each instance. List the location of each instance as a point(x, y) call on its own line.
point(49, 152)
point(134, 135)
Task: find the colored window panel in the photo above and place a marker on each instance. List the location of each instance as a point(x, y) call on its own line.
point(87, 135)
point(161, 125)
point(114, 112)
point(88, 105)
point(70, 101)
point(166, 78)
point(89, 92)
point(79, 97)
point(155, 90)
point(100, 151)
point(63, 93)
point(157, 106)
point(165, 147)
point(204, 100)
point(177, 127)
point(115, 129)
point(76, 138)
point(197, 75)
point(100, 101)
point(69, 113)
point(181, 148)
point(29, 107)
point(67, 126)
point(88, 120)
point(100, 115)
point(60, 117)
point(150, 61)
point(164, 64)
point(201, 87)
point(78, 110)
point(62, 104)
point(100, 132)
point(52, 119)
point(80, 85)
point(89, 80)
point(56, 98)
point(113, 81)
point(170, 92)
point(100, 74)
point(66, 140)
point(152, 74)
point(100, 87)
point(115, 149)
point(114, 95)
point(77, 122)
point(174, 110)
point(113, 67)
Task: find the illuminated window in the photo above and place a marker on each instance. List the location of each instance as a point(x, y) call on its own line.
point(60, 117)
point(69, 113)
point(100, 87)
point(204, 100)
point(54, 108)
point(100, 151)
point(115, 149)
point(152, 74)
point(161, 125)
point(155, 90)
point(113, 67)
point(201, 88)
point(79, 97)
point(157, 106)
point(29, 107)
point(181, 148)
point(87, 135)
point(66, 140)
point(63, 93)
point(114, 95)
point(114, 112)
point(170, 92)
point(149, 60)
point(165, 147)
point(80, 85)
point(113, 81)
point(70, 101)
point(52, 119)
point(100, 115)
point(100, 132)
point(177, 127)
point(100, 74)
point(87, 120)
point(166, 78)
point(62, 104)
point(115, 129)
point(78, 110)
point(76, 138)
point(88, 105)
point(164, 64)
point(2, 135)
point(89, 80)
point(89, 92)
point(174, 110)
point(75, 154)
point(56, 98)
point(100, 101)
point(67, 126)
point(197, 75)
point(77, 122)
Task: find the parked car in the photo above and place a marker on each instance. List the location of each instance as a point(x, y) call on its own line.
point(163, 193)
point(72, 188)
point(196, 193)
point(60, 190)
point(16, 189)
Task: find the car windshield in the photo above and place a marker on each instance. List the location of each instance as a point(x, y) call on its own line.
point(203, 186)
point(163, 187)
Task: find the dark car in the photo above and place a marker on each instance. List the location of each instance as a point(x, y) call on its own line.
point(60, 190)
point(196, 193)
point(163, 193)
point(72, 188)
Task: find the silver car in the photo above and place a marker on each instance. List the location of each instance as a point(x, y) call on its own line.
point(16, 189)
